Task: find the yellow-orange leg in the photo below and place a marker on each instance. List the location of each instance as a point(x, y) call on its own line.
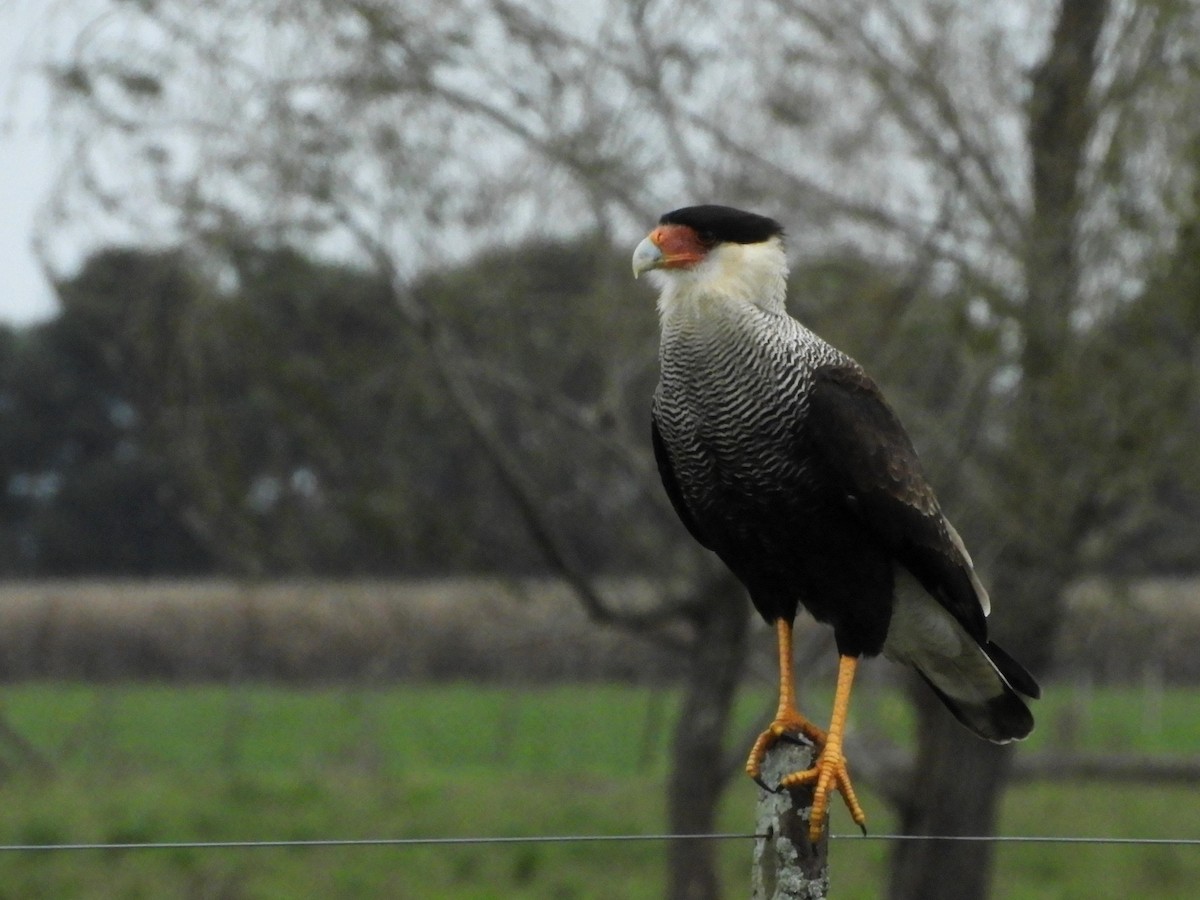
point(830, 770)
point(787, 718)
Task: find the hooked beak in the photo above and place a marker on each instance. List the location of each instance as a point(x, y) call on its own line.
point(646, 256)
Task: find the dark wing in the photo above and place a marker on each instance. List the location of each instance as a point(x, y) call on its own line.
point(853, 430)
point(666, 471)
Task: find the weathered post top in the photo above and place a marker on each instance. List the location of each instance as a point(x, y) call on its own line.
point(787, 865)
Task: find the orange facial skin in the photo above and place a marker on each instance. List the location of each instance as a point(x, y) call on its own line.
point(680, 245)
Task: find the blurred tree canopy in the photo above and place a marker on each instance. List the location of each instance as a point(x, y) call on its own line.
point(314, 401)
point(281, 417)
point(85, 493)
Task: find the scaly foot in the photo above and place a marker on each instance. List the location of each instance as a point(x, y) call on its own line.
point(829, 773)
point(786, 724)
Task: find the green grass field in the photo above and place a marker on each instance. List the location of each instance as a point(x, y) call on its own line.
point(167, 763)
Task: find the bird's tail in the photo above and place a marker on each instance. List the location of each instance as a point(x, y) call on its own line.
point(982, 685)
point(984, 688)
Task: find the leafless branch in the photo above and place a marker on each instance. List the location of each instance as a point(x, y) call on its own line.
point(1109, 768)
point(522, 487)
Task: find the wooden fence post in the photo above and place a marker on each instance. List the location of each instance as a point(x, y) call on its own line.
point(787, 865)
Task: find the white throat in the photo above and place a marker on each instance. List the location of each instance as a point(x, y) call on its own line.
point(731, 275)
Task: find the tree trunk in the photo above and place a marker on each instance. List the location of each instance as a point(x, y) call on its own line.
point(699, 767)
point(956, 790)
point(959, 780)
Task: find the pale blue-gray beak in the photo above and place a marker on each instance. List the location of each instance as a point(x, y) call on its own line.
point(646, 256)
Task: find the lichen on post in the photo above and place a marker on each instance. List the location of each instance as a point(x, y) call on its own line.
point(787, 865)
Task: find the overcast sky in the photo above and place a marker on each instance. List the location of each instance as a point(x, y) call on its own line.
point(26, 164)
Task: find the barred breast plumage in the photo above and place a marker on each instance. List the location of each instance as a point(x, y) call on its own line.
point(730, 404)
point(731, 413)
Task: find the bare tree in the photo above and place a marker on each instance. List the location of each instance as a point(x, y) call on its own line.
point(406, 141)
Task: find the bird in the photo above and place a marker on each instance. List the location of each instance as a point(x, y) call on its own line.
point(780, 455)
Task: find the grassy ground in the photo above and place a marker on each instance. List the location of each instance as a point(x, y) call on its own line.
point(154, 764)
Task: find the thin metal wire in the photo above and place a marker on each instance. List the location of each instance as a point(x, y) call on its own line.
point(569, 839)
point(1021, 839)
point(373, 842)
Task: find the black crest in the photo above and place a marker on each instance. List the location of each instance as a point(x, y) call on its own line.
point(724, 224)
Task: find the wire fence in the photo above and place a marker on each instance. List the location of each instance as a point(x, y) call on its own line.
point(572, 839)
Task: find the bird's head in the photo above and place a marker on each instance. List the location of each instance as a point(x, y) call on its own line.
point(716, 250)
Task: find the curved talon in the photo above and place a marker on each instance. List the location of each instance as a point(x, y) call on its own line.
point(800, 740)
point(762, 784)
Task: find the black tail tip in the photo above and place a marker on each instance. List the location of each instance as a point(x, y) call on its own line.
point(1014, 673)
point(1000, 719)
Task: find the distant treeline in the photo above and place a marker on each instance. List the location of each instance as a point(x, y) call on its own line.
point(273, 414)
point(280, 416)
